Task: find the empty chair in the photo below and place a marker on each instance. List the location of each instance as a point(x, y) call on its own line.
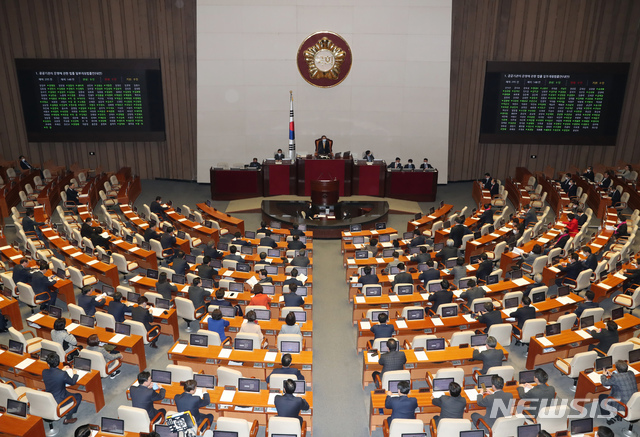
point(125, 267)
point(242, 427)
point(30, 345)
point(462, 337)
point(187, 312)
point(65, 357)
point(43, 404)
point(99, 363)
point(160, 252)
point(227, 376)
point(504, 426)
point(255, 339)
point(288, 426)
point(79, 279)
point(10, 391)
point(180, 373)
point(27, 296)
point(631, 411)
point(511, 295)
point(627, 301)
point(572, 367)
point(619, 351)
point(506, 372)
point(137, 328)
point(582, 282)
point(137, 419)
point(7, 281)
point(75, 311)
point(104, 320)
point(530, 328)
point(107, 202)
point(554, 418)
point(501, 332)
point(402, 427)
point(597, 314)
point(567, 321)
point(449, 427)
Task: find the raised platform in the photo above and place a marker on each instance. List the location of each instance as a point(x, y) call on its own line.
point(366, 213)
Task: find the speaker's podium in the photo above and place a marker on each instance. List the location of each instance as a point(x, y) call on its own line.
point(309, 170)
point(325, 192)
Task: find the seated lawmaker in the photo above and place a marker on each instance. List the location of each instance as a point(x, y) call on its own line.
point(255, 164)
point(279, 156)
point(157, 207)
point(324, 147)
point(395, 165)
point(286, 369)
point(425, 164)
point(72, 194)
point(410, 165)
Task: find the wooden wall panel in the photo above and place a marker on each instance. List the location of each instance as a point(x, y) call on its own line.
point(105, 29)
point(546, 31)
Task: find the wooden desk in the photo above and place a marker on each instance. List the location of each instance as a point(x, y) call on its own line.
point(480, 195)
point(208, 359)
point(235, 183)
point(9, 196)
point(225, 220)
point(279, 178)
point(486, 243)
point(416, 185)
point(314, 169)
point(49, 196)
point(426, 221)
point(131, 347)
point(142, 225)
point(587, 389)
point(369, 178)
point(556, 197)
point(89, 386)
point(568, 343)
point(10, 307)
point(597, 202)
point(195, 229)
point(31, 426)
point(129, 191)
point(270, 329)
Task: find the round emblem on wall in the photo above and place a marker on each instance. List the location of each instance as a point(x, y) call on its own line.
point(324, 59)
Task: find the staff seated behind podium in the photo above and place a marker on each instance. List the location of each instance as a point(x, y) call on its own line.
point(368, 156)
point(279, 156)
point(324, 146)
point(410, 165)
point(425, 164)
point(395, 165)
point(255, 164)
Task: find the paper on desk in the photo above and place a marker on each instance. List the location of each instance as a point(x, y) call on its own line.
point(471, 268)
point(80, 373)
point(228, 273)
point(372, 358)
point(15, 257)
point(520, 282)
point(421, 356)
point(620, 275)
point(199, 393)
point(55, 237)
point(401, 324)
point(554, 269)
point(605, 286)
point(227, 395)
point(543, 240)
point(270, 357)
point(252, 281)
point(598, 246)
point(504, 229)
point(302, 278)
point(486, 288)
point(67, 247)
point(25, 363)
point(437, 394)
point(584, 334)
point(518, 251)
point(134, 249)
point(35, 317)
point(360, 299)
point(197, 226)
point(179, 348)
point(347, 234)
point(394, 298)
point(5, 247)
point(386, 244)
point(437, 321)
point(380, 260)
point(272, 399)
point(116, 338)
point(224, 353)
point(365, 324)
point(135, 278)
point(635, 372)
point(457, 293)
point(392, 277)
point(353, 280)
point(545, 342)
point(76, 254)
point(475, 243)
point(117, 241)
point(508, 311)
point(92, 262)
point(595, 377)
point(431, 217)
point(565, 300)
point(472, 394)
point(374, 232)
point(415, 223)
point(494, 235)
point(351, 261)
point(157, 312)
point(425, 296)
point(469, 318)
point(71, 327)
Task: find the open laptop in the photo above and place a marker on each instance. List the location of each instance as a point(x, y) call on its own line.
point(301, 316)
point(198, 340)
point(581, 426)
point(243, 344)
point(273, 253)
point(435, 286)
point(82, 364)
point(300, 291)
point(17, 408)
point(586, 322)
point(178, 279)
point(88, 321)
point(16, 347)
point(152, 274)
point(44, 353)
point(604, 363)
point(262, 314)
point(269, 290)
point(108, 290)
point(404, 290)
point(160, 376)
point(55, 312)
point(472, 433)
point(292, 347)
point(493, 279)
point(418, 314)
point(207, 283)
point(516, 274)
point(133, 296)
point(634, 356)
point(164, 304)
point(553, 329)
point(204, 381)
point(479, 340)
point(112, 426)
point(122, 328)
point(407, 235)
point(373, 291)
point(527, 377)
point(381, 225)
point(450, 263)
point(227, 311)
point(563, 290)
point(442, 384)
point(392, 385)
point(451, 311)
point(435, 344)
point(511, 302)
point(538, 297)
point(355, 228)
point(529, 430)
point(486, 380)
point(251, 385)
point(617, 313)
point(362, 254)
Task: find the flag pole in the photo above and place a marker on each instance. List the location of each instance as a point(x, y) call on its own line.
point(292, 131)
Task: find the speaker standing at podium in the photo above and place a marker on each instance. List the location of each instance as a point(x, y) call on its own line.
point(324, 147)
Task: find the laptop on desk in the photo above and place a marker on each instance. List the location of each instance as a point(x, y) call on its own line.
point(112, 426)
point(17, 408)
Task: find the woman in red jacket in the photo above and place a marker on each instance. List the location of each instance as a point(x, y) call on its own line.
point(572, 225)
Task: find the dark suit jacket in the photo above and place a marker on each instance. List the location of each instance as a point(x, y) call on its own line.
point(180, 266)
point(89, 304)
point(484, 269)
point(156, 207)
point(531, 287)
point(296, 245)
point(212, 252)
point(493, 403)
point(573, 191)
point(572, 270)
point(583, 306)
point(490, 318)
point(368, 279)
point(562, 241)
point(446, 253)
point(530, 217)
point(606, 182)
point(471, 294)
point(72, 195)
point(197, 295)
point(25, 165)
point(117, 310)
point(278, 156)
point(591, 262)
point(293, 300)
point(392, 361)
point(143, 397)
point(41, 283)
point(402, 278)
point(165, 289)
point(421, 258)
point(29, 225)
point(486, 183)
point(300, 261)
point(450, 407)
point(485, 217)
point(167, 240)
point(289, 405)
point(494, 189)
point(143, 316)
point(419, 240)
point(55, 382)
point(429, 275)
point(20, 274)
point(423, 166)
point(206, 271)
point(457, 232)
point(402, 407)
point(395, 165)
point(440, 297)
point(324, 148)
point(490, 358)
point(410, 166)
point(589, 175)
point(382, 331)
point(99, 240)
point(192, 403)
point(523, 314)
point(221, 302)
point(268, 241)
point(606, 338)
point(536, 395)
point(86, 230)
point(582, 219)
point(150, 234)
point(295, 373)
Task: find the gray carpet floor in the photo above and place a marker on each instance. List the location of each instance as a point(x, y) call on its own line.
point(341, 406)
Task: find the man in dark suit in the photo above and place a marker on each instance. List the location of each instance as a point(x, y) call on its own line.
point(486, 216)
point(205, 271)
point(189, 401)
point(368, 156)
point(392, 360)
point(89, 303)
point(72, 194)
point(368, 278)
point(86, 230)
point(495, 400)
point(21, 272)
point(145, 393)
point(537, 282)
point(157, 208)
point(98, 240)
point(382, 329)
point(24, 164)
point(233, 254)
point(197, 294)
point(605, 337)
point(180, 264)
point(525, 312)
point(402, 277)
point(591, 262)
point(489, 316)
point(606, 181)
point(530, 216)
point(56, 381)
point(395, 164)
point(581, 216)
point(152, 232)
point(572, 189)
point(452, 406)
point(494, 189)
point(402, 407)
point(296, 231)
point(324, 146)
point(623, 386)
point(486, 181)
point(301, 260)
point(459, 231)
point(491, 357)
point(43, 284)
point(286, 369)
point(142, 314)
point(422, 257)
point(418, 238)
point(263, 228)
point(448, 251)
point(296, 244)
point(220, 300)
point(278, 156)
point(291, 299)
point(211, 251)
point(442, 296)
point(287, 405)
point(571, 270)
point(425, 164)
point(168, 241)
point(30, 226)
point(116, 308)
point(410, 165)
point(473, 292)
point(293, 280)
point(589, 174)
point(588, 303)
point(430, 274)
point(255, 164)
point(539, 395)
point(238, 241)
point(268, 241)
point(485, 268)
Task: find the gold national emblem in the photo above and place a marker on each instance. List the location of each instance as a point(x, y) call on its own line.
point(324, 59)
